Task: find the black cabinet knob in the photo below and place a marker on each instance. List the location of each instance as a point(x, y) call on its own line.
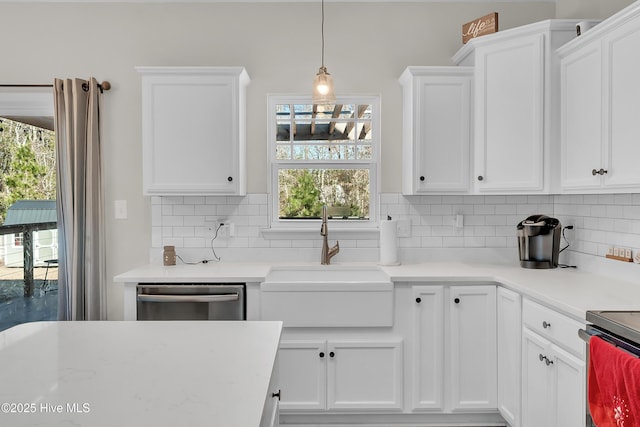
point(276, 394)
point(418, 300)
point(546, 325)
point(480, 178)
point(230, 179)
point(457, 300)
point(321, 354)
point(331, 354)
point(422, 178)
point(541, 357)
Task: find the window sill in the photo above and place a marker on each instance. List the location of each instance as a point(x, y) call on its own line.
point(337, 233)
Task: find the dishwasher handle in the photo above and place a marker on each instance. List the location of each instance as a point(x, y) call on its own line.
point(187, 298)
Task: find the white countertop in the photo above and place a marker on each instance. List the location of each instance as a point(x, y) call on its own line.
point(570, 291)
point(95, 374)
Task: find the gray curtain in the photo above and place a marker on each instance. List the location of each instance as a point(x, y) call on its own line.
point(81, 274)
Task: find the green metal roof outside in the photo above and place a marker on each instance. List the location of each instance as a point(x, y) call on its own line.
point(31, 212)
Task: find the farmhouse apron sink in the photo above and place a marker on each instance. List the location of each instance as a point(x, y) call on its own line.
point(328, 296)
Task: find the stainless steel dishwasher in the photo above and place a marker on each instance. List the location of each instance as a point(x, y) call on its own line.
point(191, 301)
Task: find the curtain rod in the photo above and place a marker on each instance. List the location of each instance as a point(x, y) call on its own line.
point(103, 86)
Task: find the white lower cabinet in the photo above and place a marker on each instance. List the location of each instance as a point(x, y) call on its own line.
point(509, 309)
point(303, 377)
point(454, 359)
point(553, 393)
point(270, 412)
point(428, 351)
point(553, 370)
point(320, 375)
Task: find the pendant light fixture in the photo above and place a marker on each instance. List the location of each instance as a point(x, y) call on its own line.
point(323, 82)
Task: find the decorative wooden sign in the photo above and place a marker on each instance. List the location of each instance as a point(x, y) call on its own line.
point(487, 24)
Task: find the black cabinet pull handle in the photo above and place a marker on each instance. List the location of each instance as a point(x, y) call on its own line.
point(230, 179)
point(276, 394)
point(457, 300)
point(418, 300)
point(321, 354)
point(422, 178)
point(331, 354)
point(546, 325)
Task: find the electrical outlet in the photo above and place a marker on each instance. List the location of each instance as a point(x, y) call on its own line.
point(227, 230)
point(212, 226)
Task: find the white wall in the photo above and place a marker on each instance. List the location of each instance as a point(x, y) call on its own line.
point(367, 47)
point(596, 9)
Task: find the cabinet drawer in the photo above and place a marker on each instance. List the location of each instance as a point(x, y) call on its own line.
point(557, 327)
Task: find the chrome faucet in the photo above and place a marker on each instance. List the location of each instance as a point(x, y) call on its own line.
point(327, 253)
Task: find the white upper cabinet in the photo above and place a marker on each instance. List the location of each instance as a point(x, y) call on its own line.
point(516, 106)
point(600, 92)
point(193, 130)
point(436, 131)
point(581, 118)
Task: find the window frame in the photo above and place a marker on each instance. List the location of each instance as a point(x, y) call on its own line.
point(274, 165)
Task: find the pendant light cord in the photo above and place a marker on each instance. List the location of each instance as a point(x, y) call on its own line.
point(322, 33)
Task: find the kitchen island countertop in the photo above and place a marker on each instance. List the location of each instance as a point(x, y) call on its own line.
point(114, 373)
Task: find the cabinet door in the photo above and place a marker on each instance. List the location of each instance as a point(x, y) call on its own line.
point(302, 370)
point(536, 382)
point(473, 370)
point(436, 129)
point(622, 134)
point(568, 389)
point(428, 343)
point(509, 99)
point(509, 338)
point(582, 118)
point(270, 413)
point(442, 143)
point(193, 130)
point(364, 375)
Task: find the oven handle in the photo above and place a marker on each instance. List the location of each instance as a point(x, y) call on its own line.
point(187, 298)
point(584, 335)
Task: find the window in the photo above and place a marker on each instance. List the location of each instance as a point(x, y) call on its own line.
point(324, 155)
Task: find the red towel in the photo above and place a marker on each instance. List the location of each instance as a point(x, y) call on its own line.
point(614, 385)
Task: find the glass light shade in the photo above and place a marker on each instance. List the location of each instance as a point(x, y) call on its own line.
point(323, 88)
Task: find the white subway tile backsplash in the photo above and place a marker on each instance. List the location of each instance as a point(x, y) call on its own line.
point(172, 221)
point(194, 200)
point(432, 242)
point(194, 220)
point(206, 210)
point(489, 221)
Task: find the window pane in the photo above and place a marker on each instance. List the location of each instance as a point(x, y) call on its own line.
point(322, 132)
point(283, 111)
point(303, 192)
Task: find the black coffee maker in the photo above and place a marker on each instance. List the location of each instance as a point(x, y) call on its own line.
point(539, 241)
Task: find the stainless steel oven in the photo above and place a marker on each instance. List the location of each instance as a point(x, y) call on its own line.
point(191, 301)
point(620, 328)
